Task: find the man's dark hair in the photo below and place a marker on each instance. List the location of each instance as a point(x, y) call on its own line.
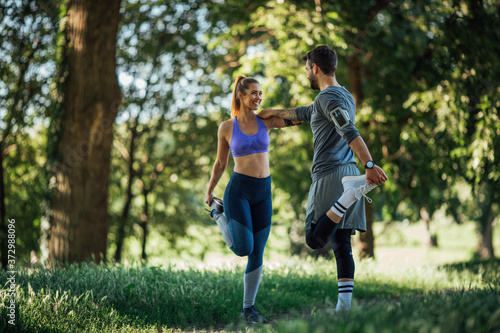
point(324, 57)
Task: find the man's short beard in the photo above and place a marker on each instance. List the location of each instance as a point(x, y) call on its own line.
point(314, 84)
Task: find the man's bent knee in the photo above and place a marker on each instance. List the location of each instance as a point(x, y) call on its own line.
point(315, 244)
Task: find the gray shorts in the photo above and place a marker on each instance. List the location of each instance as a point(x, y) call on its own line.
point(325, 191)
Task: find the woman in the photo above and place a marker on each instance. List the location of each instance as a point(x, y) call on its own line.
point(247, 198)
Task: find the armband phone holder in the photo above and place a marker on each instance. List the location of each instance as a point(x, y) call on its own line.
point(340, 117)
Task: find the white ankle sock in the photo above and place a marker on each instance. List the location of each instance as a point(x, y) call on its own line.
point(345, 296)
point(346, 200)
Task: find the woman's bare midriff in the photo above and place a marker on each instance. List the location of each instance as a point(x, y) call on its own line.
point(253, 165)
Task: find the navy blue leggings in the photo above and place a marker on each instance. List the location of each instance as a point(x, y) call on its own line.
point(341, 243)
point(248, 210)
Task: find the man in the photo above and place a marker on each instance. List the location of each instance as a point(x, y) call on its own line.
point(336, 181)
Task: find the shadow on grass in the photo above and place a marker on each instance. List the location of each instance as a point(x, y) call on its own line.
point(487, 269)
point(474, 265)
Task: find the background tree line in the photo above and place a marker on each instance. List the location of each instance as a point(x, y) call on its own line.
point(110, 111)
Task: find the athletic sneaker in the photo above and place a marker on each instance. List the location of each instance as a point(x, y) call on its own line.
point(359, 185)
point(252, 316)
point(216, 207)
point(216, 210)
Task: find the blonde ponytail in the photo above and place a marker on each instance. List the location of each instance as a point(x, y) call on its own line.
point(236, 103)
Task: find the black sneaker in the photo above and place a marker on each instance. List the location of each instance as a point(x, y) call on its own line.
point(252, 316)
point(216, 207)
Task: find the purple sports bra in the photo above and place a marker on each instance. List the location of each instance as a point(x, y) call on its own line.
point(242, 144)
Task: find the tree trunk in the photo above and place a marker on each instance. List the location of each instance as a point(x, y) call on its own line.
point(355, 78)
point(91, 95)
point(430, 240)
point(485, 244)
point(484, 247)
point(144, 224)
point(366, 239)
point(120, 237)
point(366, 244)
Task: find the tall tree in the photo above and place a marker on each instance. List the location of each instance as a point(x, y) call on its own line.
point(82, 130)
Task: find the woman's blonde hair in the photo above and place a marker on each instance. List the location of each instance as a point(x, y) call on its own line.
point(241, 84)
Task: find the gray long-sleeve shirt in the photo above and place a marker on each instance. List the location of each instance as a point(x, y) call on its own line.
point(331, 144)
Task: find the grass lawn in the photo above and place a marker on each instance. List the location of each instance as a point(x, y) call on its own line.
point(406, 289)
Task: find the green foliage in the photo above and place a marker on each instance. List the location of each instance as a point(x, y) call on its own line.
point(25, 190)
point(164, 135)
point(26, 65)
point(173, 164)
point(466, 106)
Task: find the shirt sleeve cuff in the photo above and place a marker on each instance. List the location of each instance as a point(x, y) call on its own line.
point(300, 112)
point(351, 135)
